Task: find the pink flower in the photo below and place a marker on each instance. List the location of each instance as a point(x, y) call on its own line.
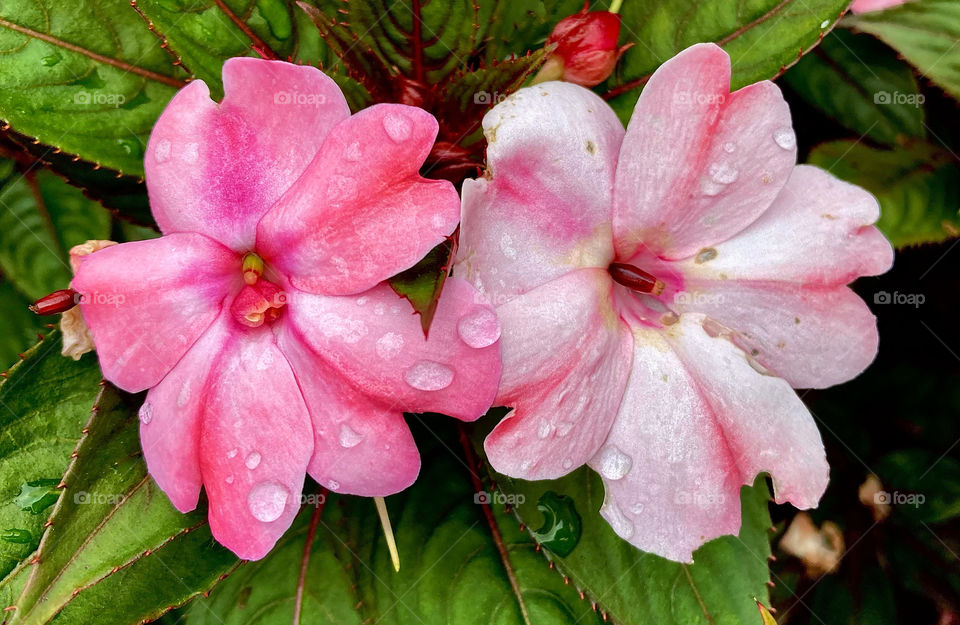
point(260, 321)
point(586, 47)
point(661, 290)
point(866, 6)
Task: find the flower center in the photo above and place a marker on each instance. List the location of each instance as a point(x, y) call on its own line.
point(260, 300)
point(635, 279)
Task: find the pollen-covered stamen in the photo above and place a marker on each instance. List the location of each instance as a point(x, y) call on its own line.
point(258, 303)
point(252, 268)
point(635, 279)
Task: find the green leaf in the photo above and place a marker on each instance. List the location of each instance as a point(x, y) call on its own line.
point(116, 550)
point(763, 37)
point(41, 218)
point(451, 569)
point(203, 33)
point(37, 434)
point(421, 284)
point(97, 78)
point(521, 25)
point(925, 32)
point(918, 187)
point(728, 576)
point(861, 83)
point(20, 325)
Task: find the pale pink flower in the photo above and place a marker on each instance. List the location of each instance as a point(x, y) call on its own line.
point(680, 398)
point(866, 6)
point(260, 372)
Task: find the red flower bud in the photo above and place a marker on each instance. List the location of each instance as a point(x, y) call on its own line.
point(57, 302)
point(586, 48)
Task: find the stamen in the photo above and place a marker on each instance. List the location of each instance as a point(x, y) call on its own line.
point(252, 268)
point(636, 279)
point(388, 532)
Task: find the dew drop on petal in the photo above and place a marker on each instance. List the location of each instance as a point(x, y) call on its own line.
point(620, 523)
point(349, 437)
point(146, 413)
point(232, 453)
point(544, 429)
point(333, 484)
point(427, 375)
point(614, 464)
point(184, 395)
point(353, 153)
point(229, 479)
point(480, 328)
point(729, 147)
point(253, 460)
point(785, 138)
point(564, 428)
point(267, 500)
point(162, 151)
point(191, 152)
point(389, 345)
point(398, 127)
point(637, 508)
point(723, 174)
point(567, 463)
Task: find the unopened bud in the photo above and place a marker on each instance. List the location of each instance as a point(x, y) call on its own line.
point(586, 48)
point(57, 302)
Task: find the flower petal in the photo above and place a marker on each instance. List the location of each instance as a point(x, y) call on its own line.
point(255, 444)
point(566, 358)
point(544, 207)
point(170, 419)
point(217, 168)
point(375, 341)
point(698, 163)
point(697, 422)
point(147, 302)
point(362, 212)
point(811, 337)
point(362, 446)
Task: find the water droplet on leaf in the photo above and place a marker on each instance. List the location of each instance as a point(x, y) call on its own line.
point(37, 495)
point(561, 527)
point(17, 536)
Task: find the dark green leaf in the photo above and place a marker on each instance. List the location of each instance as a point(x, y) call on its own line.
point(421, 284)
point(920, 485)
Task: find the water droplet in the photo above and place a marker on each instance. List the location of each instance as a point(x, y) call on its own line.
point(130, 146)
point(729, 147)
point(17, 536)
point(353, 153)
point(562, 525)
point(567, 463)
point(785, 138)
point(427, 375)
point(824, 24)
point(389, 345)
point(232, 453)
point(333, 484)
point(723, 174)
point(349, 437)
point(398, 127)
point(51, 59)
point(184, 395)
point(267, 500)
point(146, 413)
point(253, 460)
point(506, 246)
point(620, 523)
point(613, 463)
point(564, 428)
point(362, 301)
point(544, 429)
point(229, 479)
point(637, 508)
point(480, 328)
point(162, 151)
point(191, 152)
point(36, 496)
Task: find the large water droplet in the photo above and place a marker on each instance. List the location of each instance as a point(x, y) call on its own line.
point(561, 527)
point(613, 463)
point(389, 345)
point(398, 127)
point(427, 375)
point(348, 436)
point(253, 460)
point(267, 500)
point(785, 138)
point(480, 328)
point(722, 173)
point(146, 413)
point(36, 496)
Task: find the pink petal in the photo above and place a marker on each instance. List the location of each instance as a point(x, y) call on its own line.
point(217, 168)
point(362, 213)
point(170, 419)
point(362, 445)
point(147, 302)
point(255, 444)
point(566, 358)
point(375, 341)
point(811, 336)
point(865, 6)
point(552, 152)
point(818, 231)
point(698, 164)
point(697, 422)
